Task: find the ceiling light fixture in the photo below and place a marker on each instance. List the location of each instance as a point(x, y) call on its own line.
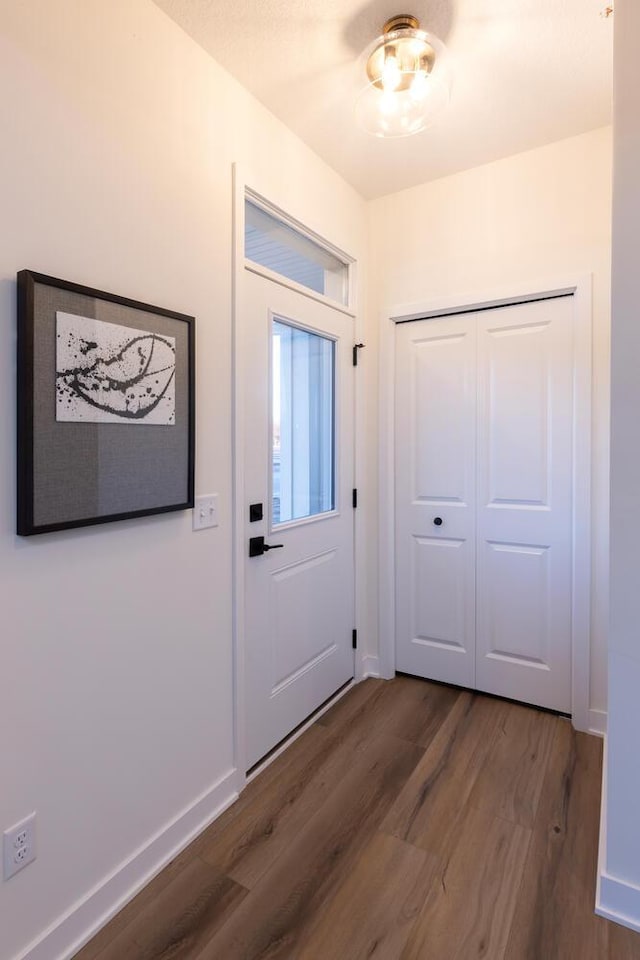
point(408, 80)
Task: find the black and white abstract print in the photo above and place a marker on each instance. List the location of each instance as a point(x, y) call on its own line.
point(106, 373)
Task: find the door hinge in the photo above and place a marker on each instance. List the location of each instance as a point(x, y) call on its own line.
point(354, 639)
point(356, 347)
point(354, 498)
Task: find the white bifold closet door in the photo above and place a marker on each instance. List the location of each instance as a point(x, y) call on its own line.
point(484, 440)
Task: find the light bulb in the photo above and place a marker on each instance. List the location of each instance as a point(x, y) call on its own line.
point(391, 75)
point(408, 80)
point(419, 86)
point(388, 103)
point(415, 47)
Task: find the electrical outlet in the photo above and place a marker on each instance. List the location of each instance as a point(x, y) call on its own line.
point(205, 512)
point(20, 838)
point(19, 845)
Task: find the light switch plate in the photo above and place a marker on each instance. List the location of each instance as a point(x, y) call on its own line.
point(205, 512)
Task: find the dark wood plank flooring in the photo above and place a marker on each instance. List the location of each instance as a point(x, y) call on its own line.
point(412, 821)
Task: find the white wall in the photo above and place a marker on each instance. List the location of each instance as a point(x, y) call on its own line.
point(115, 171)
point(118, 137)
point(534, 216)
point(619, 894)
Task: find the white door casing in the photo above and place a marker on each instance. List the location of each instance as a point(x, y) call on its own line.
point(299, 598)
point(526, 378)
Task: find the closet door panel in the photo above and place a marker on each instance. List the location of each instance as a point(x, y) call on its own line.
point(435, 481)
point(524, 532)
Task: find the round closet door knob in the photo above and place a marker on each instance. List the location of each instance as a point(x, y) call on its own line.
point(437, 521)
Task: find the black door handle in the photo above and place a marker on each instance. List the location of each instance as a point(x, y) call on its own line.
point(437, 521)
point(257, 546)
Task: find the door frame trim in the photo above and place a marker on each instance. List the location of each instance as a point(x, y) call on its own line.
point(580, 287)
point(244, 184)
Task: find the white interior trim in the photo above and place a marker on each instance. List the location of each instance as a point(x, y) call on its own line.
point(371, 667)
point(619, 901)
point(581, 553)
point(616, 899)
point(238, 486)
point(580, 287)
point(298, 287)
point(244, 186)
point(87, 916)
point(598, 722)
point(279, 214)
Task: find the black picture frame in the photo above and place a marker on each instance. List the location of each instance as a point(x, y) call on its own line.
point(75, 472)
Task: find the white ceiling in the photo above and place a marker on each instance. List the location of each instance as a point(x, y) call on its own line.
point(526, 73)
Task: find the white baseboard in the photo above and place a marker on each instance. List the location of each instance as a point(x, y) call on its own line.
point(619, 901)
point(597, 722)
point(370, 667)
point(88, 915)
point(616, 899)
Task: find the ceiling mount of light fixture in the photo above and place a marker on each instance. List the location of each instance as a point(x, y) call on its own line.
point(408, 80)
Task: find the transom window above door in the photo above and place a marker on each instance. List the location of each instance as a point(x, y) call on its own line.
point(303, 423)
point(283, 249)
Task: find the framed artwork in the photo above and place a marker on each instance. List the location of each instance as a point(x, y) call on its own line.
point(106, 407)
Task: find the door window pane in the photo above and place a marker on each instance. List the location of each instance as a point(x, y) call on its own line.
point(303, 377)
point(279, 247)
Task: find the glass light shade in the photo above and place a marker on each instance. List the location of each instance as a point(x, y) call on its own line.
point(409, 83)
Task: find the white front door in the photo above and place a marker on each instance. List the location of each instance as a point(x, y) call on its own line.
point(299, 593)
point(484, 435)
